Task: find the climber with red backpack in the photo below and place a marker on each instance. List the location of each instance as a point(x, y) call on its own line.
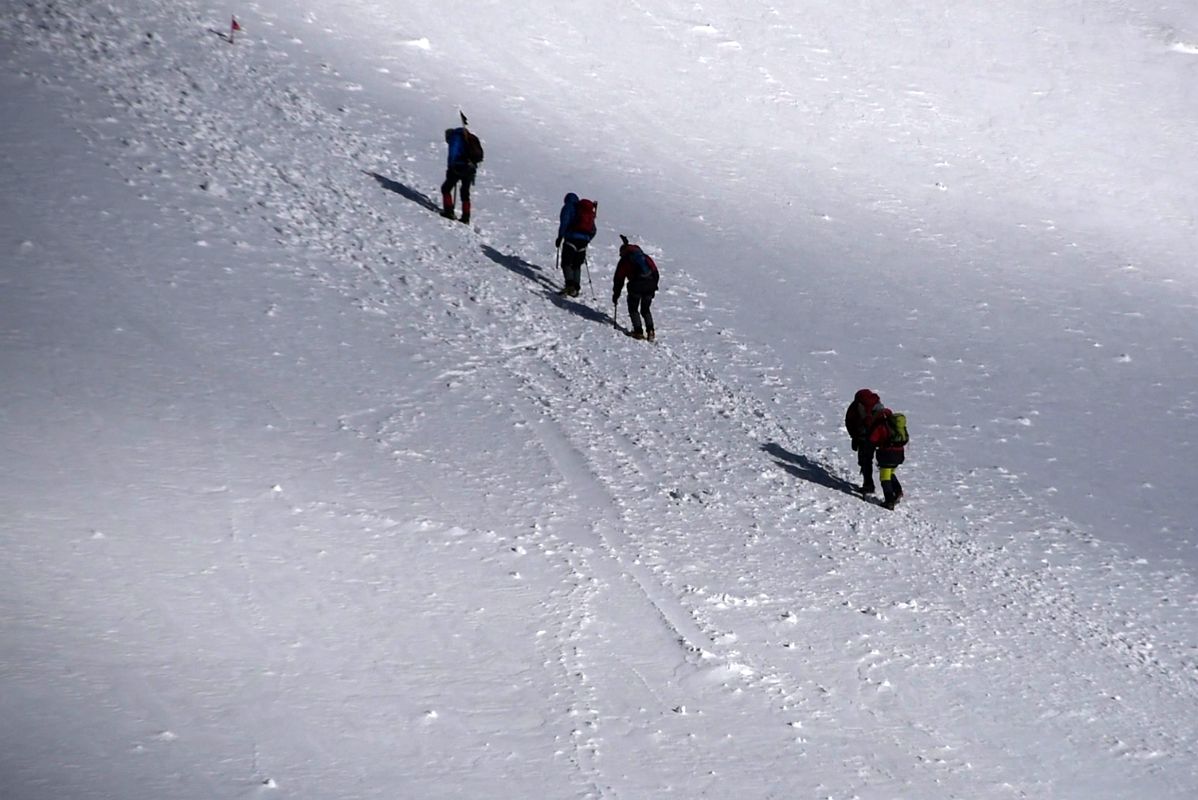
point(639, 269)
point(856, 422)
point(575, 229)
point(465, 154)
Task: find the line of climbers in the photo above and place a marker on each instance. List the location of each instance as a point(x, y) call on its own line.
point(874, 430)
point(576, 228)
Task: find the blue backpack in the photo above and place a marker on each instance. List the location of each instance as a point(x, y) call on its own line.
point(464, 146)
point(642, 268)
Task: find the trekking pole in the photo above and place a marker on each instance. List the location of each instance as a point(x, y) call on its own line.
point(615, 307)
point(586, 264)
point(557, 269)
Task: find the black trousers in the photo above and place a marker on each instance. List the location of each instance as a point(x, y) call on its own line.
point(572, 257)
point(865, 460)
point(638, 306)
point(455, 174)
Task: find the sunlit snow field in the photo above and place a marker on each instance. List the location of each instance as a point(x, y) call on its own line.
point(308, 492)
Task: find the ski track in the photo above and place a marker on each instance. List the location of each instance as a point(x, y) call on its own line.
point(633, 441)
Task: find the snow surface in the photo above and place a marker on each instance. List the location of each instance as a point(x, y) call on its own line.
point(310, 493)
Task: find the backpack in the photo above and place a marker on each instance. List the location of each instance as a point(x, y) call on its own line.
point(584, 217)
point(474, 148)
point(642, 267)
point(898, 429)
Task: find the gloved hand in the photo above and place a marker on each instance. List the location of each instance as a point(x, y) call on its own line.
point(557, 242)
point(615, 298)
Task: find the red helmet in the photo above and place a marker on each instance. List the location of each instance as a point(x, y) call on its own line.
point(867, 398)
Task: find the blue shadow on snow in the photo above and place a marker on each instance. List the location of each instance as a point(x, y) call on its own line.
point(811, 471)
point(549, 288)
point(403, 190)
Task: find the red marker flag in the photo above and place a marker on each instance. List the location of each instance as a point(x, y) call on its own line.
point(233, 28)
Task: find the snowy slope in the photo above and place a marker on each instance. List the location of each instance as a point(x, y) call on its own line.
point(1019, 169)
point(311, 493)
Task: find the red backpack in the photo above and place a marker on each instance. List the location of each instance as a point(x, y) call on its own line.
point(474, 148)
point(584, 217)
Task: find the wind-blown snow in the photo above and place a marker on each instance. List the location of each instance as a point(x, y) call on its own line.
point(311, 493)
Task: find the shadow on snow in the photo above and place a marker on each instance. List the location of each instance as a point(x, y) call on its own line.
point(803, 467)
point(403, 190)
point(514, 263)
point(518, 266)
point(550, 290)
